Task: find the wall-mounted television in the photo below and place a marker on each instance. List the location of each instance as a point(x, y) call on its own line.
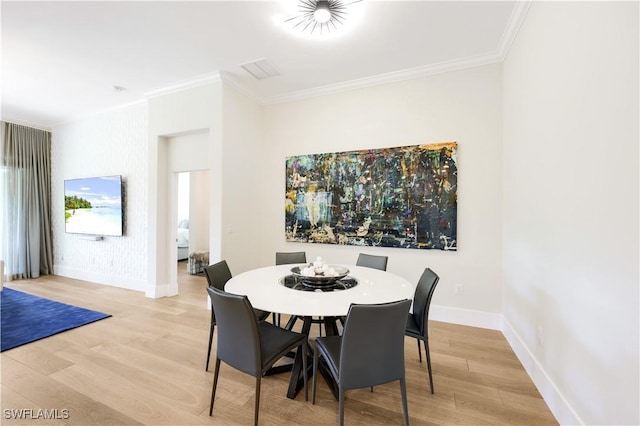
point(94, 206)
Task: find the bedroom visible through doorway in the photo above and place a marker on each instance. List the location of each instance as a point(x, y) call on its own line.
point(192, 238)
point(183, 215)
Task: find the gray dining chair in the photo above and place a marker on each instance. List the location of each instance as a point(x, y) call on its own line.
point(288, 258)
point(418, 320)
point(369, 261)
point(217, 276)
point(372, 261)
point(370, 351)
point(249, 345)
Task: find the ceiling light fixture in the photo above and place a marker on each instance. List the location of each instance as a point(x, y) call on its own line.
point(320, 16)
point(322, 13)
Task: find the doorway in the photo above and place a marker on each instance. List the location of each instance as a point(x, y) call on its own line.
point(193, 223)
point(183, 152)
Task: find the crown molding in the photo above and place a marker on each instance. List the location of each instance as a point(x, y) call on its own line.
point(201, 80)
point(391, 77)
point(232, 81)
point(516, 19)
point(376, 80)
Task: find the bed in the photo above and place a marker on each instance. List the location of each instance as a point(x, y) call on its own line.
point(183, 240)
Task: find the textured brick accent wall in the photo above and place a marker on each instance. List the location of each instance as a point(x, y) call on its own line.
point(111, 143)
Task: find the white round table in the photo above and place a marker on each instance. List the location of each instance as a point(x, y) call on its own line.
point(265, 291)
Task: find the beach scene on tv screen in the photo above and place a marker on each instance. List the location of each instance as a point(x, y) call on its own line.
point(93, 206)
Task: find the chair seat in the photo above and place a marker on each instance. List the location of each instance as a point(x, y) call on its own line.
point(330, 348)
point(273, 340)
point(413, 329)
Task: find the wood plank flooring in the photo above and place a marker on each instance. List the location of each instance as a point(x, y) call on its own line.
point(145, 365)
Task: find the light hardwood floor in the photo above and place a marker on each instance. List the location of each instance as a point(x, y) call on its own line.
point(145, 365)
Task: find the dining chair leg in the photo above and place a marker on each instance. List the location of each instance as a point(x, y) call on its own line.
point(405, 408)
point(419, 350)
point(206, 368)
point(304, 367)
point(426, 349)
point(255, 416)
point(215, 384)
point(291, 322)
point(276, 319)
point(341, 406)
point(315, 375)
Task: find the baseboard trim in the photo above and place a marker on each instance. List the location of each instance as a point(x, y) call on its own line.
point(161, 290)
point(128, 283)
point(490, 320)
point(558, 404)
point(555, 400)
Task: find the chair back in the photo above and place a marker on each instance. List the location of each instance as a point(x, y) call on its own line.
point(372, 350)
point(238, 335)
point(371, 261)
point(422, 297)
point(218, 274)
point(287, 258)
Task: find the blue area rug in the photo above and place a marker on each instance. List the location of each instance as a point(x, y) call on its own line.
point(27, 318)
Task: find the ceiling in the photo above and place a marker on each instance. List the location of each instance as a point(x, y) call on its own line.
point(61, 60)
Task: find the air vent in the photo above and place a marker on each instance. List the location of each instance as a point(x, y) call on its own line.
point(260, 69)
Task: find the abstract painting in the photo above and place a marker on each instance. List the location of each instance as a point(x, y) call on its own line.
point(390, 197)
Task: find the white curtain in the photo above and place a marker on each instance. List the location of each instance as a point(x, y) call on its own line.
point(25, 180)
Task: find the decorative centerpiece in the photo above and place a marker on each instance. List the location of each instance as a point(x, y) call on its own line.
point(319, 274)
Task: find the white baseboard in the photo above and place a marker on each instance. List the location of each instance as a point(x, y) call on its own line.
point(151, 291)
point(558, 404)
point(161, 290)
point(468, 317)
point(111, 280)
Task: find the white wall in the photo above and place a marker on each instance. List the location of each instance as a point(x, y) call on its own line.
point(184, 195)
point(112, 143)
point(571, 207)
point(463, 106)
point(244, 225)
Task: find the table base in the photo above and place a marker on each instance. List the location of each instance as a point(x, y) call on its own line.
point(296, 383)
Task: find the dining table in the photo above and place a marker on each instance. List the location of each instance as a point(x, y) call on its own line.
point(280, 289)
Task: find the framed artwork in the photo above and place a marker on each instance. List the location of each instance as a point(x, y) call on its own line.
point(391, 197)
